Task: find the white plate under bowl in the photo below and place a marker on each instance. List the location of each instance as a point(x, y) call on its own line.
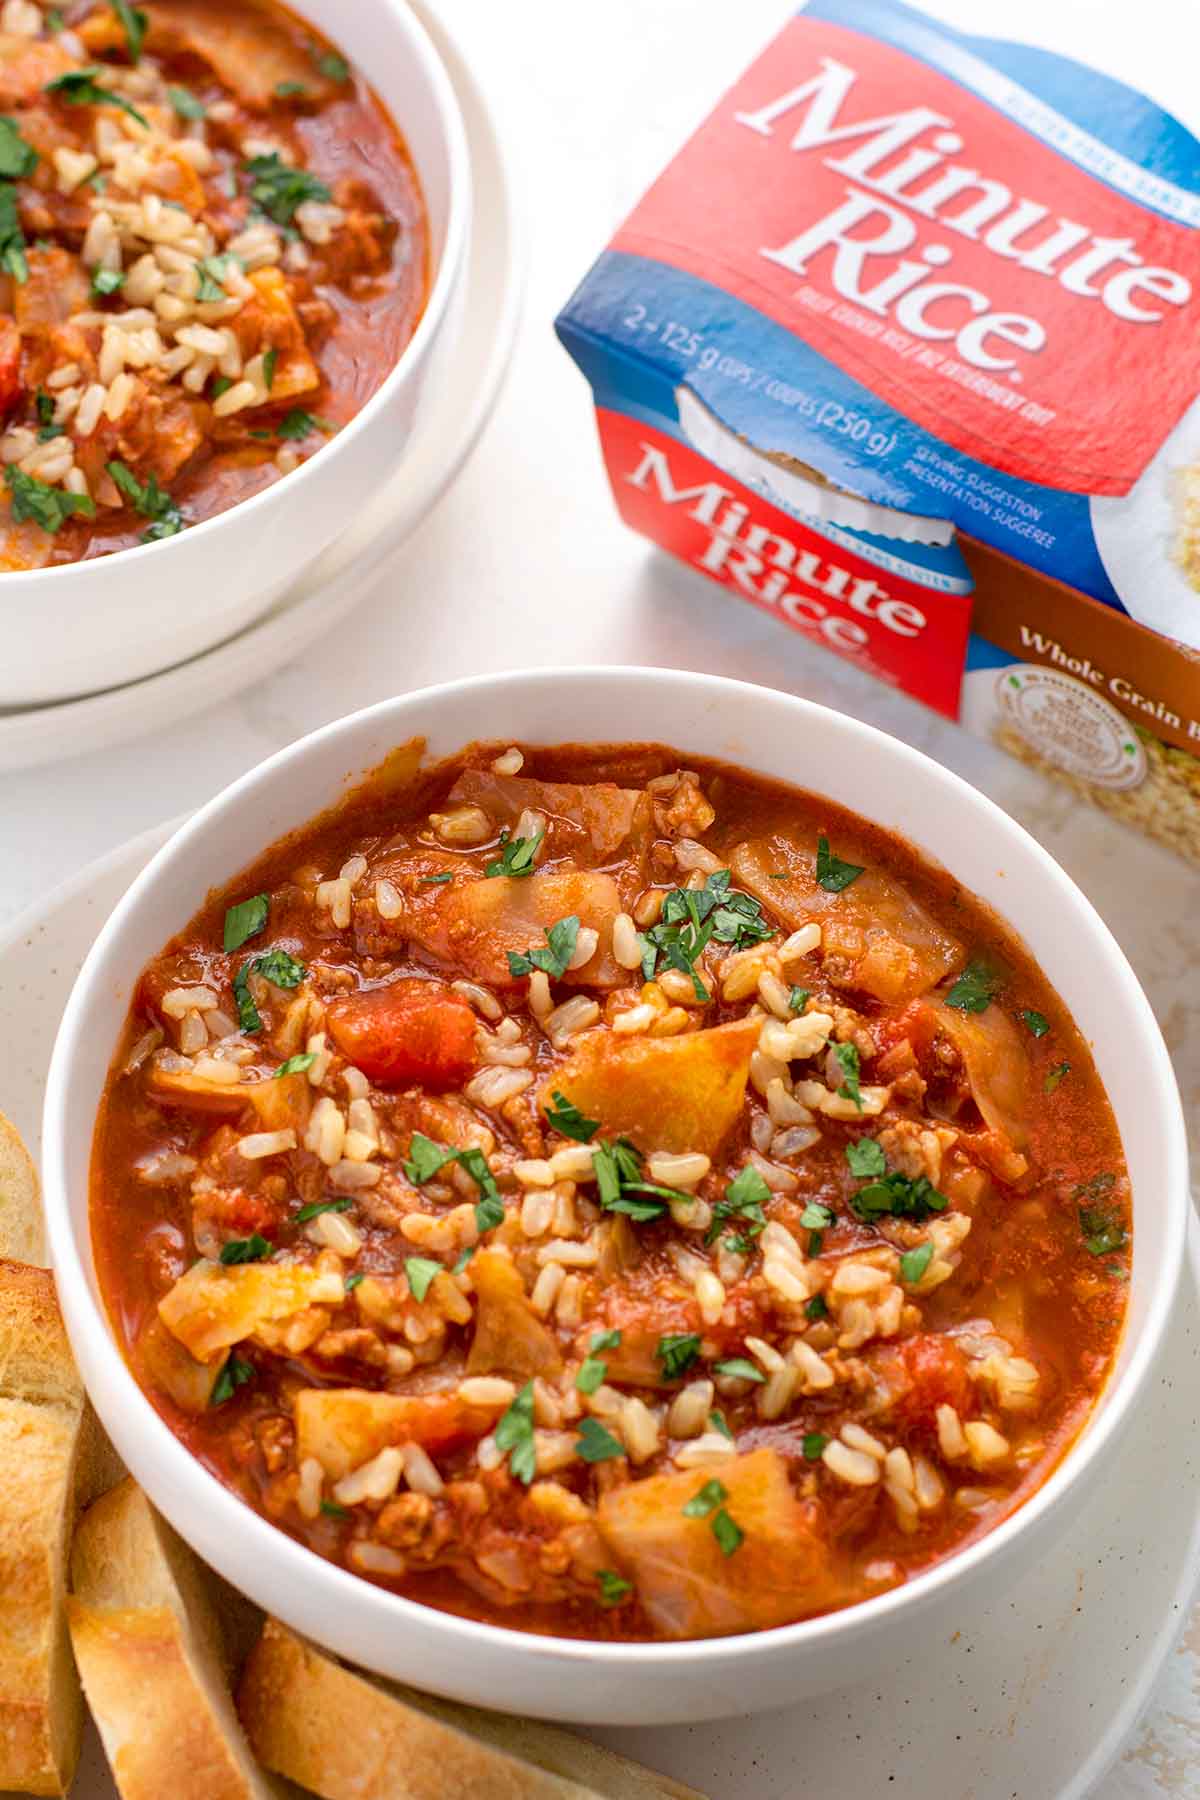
point(464, 390)
point(1032, 1698)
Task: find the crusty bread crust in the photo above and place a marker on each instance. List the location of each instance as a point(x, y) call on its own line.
point(22, 1233)
point(54, 1458)
point(349, 1737)
point(41, 1712)
point(146, 1624)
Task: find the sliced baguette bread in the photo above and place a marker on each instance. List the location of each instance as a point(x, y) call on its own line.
point(53, 1459)
point(22, 1232)
point(155, 1640)
point(348, 1736)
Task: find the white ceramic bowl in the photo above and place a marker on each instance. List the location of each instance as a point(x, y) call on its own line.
point(780, 736)
point(91, 625)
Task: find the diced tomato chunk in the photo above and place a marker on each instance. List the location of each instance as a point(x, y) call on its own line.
point(937, 1374)
point(10, 365)
point(411, 1030)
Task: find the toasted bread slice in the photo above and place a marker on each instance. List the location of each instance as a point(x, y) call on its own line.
point(348, 1736)
point(22, 1233)
point(53, 1459)
point(151, 1631)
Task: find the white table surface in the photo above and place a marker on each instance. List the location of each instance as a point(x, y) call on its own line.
point(524, 563)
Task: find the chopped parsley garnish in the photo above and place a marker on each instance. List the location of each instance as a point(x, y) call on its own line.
point(798, 999)
point(593, 1368)
point(421, 1272)
point(846, 1057)
point(245, 920)
point(296, 1065)
point(816, 1308)
point(17, 158)
point(246, 1250)
point(817, 1217)
point(299, 424)
point(150, 500)
point(561, 939)
point(249, 1017)
point(464, 1258)
point(514, 1433)
point(277, 188)
point(55, 20)
point(1100, 1223)
point(286, 90)
point(975, 989)
point(744, 1199)
point(12, 247)
point(276, 966)
point(707, 1504)
point(47, 506)
point(1035, 1022)
point(352, 1281)
point(185, 103)
point(901, 1196)
point(719, 1423)
point(134, 24)
point(1102, 1230)
point(592, 1371)
point(516, 854)
point(212, 271)
point(107, 281)
point(833, 874)
point(332, 1510)
point(728, 1533)
point(677, 1353)
point(234, 1374)
point(741, 1368)
point(618, 1171)
point(437, 880)
point(813, 1444)
point(1055, 1076)
point(692, 917)
point(78, 87)
point(221, 385)
point(914, 1263)
point(270, 359)
point(866, 1158)
point(425, 1159)
point(315, 1207)
point(705, 1500)
point(596, 1444)
point(333, 66)
point(613, 1587)
point(47, 429)
point(567, 1119)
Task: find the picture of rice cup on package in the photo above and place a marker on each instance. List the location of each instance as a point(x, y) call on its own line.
point(1060, 726)
point(797, 486)
point(1149, 539)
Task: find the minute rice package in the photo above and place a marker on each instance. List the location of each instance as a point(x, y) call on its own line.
point(904, 347)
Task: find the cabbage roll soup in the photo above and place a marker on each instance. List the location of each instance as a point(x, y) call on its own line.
point(213, 251)
point(610, 1194)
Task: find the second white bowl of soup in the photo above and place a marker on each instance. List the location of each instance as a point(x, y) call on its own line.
point(252, 245)
point(882, 1224)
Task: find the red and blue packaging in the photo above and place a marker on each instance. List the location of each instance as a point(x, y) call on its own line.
point(904, 348)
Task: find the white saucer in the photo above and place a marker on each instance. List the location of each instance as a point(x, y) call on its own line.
point(1030, 1701)
point(467, 385)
